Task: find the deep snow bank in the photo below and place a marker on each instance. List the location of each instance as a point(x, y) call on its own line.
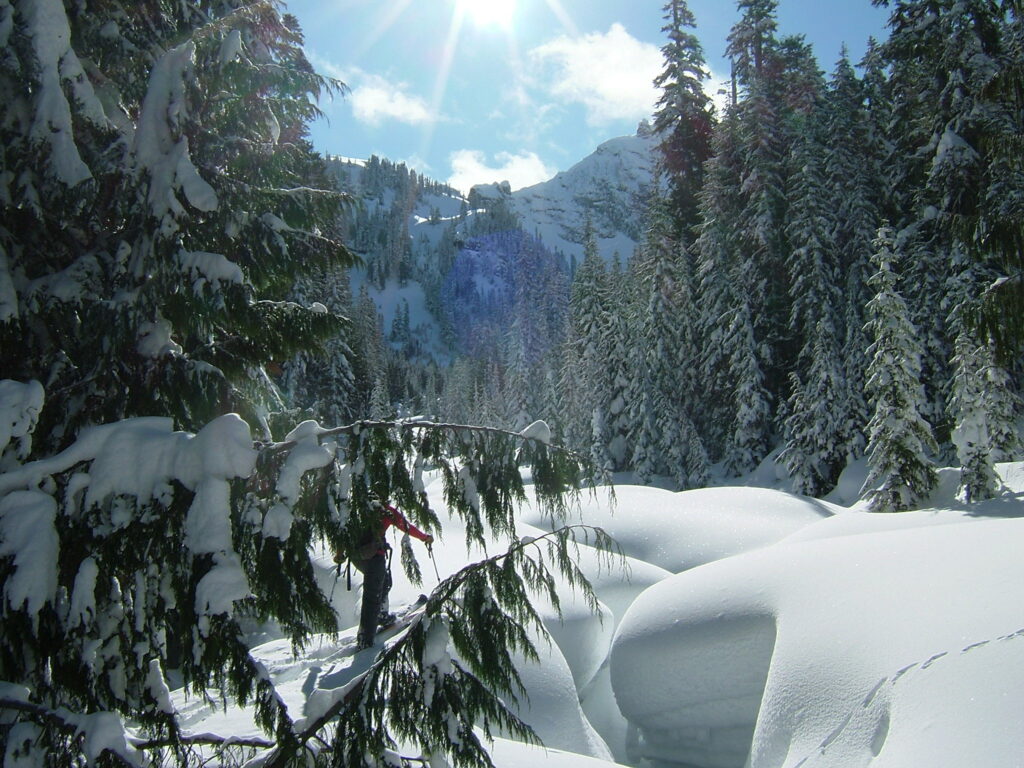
point(899, 648)
point(677, 531)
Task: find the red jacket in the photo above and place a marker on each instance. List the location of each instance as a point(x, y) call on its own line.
point(366, 547)
point(393, 517)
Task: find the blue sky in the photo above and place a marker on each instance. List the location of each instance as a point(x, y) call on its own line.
point(474, 91)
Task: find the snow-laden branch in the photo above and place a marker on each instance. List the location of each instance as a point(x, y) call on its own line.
point(102, 733)
point(538, 432)
point(413, 649)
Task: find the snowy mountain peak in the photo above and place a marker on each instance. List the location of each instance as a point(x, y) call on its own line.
point(608, 187)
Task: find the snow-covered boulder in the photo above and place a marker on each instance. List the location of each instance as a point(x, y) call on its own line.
point(848, 651)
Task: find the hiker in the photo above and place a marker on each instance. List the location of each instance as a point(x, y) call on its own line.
point(372, 559)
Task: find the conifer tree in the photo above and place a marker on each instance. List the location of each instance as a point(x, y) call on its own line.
point(573, 396)
point(816, 442)
point(984, 407)
point(776, 76)
point(618, 357)
point(816, 436)
point(984, 413)
point(750, 434)
point(752, 41)
point(814, 279)
point(952, 63)
point(667, 355)
point(590, 336)
point(152, 196)
point(854, 173)
point(899, 439)
point(683, 115)
point(717, 250)
point(323, 382)
point(518, 385)
point(646, 456)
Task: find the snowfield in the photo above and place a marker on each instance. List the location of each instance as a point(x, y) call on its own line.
point(750, 627)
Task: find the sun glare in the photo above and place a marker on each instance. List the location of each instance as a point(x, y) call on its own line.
point(487, 13)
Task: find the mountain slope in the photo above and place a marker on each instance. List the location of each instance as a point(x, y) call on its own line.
point(608, 186)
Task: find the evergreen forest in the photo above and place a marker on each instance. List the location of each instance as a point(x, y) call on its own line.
point(197, 385)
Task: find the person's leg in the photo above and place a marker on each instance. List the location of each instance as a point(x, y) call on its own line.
point(375, 574)
point(385, 616)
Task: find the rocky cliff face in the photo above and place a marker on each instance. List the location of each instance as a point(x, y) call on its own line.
point(609, 186)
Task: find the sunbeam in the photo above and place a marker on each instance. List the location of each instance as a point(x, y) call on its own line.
point(391, 15)
point(563, 17)
point(443, 75)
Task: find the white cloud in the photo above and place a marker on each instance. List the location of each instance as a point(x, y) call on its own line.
point(470, 166)
point(375, 99)
point(611, 74)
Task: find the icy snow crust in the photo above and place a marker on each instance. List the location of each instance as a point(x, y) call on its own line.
point(750, 627)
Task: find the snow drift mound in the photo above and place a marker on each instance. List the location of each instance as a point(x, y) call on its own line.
point(677, 531)
point(869, 650)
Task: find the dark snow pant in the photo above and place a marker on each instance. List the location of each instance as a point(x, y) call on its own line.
point(376, 585)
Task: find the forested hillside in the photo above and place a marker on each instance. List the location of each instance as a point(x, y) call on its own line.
point(832, 269)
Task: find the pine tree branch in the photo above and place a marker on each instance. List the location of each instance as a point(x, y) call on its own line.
point(356, 427)
point(57, 720)
point(202, 740)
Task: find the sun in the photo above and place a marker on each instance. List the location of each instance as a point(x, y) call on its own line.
point(489, 13)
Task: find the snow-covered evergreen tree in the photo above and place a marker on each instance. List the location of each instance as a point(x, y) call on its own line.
point(814, 280)
point(750, 433)
point(147, 194)
point(323, 382)
point(590, 337)
point(683, 115)
point(816, 440)
point(899, 439)
point(667, 358)
point(617, 359)
point(716, 251)
point(856, 179)
point(984, 406)
point(816, 428)
point(984, 410)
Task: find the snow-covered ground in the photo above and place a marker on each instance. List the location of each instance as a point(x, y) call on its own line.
point(752, 627)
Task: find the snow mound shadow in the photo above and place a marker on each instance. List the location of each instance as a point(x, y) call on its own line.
point(692, 691)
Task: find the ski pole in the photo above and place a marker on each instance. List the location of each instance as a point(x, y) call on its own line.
point(430, 551)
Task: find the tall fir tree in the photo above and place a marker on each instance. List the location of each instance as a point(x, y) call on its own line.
point(717, 249)
point(322, 382)
point(853, 172)
point(816, 441)
point(590, 336)
point(984, 405)
point(818, 408)
point(683, 116)
point(900, 473)
point(749, 439)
